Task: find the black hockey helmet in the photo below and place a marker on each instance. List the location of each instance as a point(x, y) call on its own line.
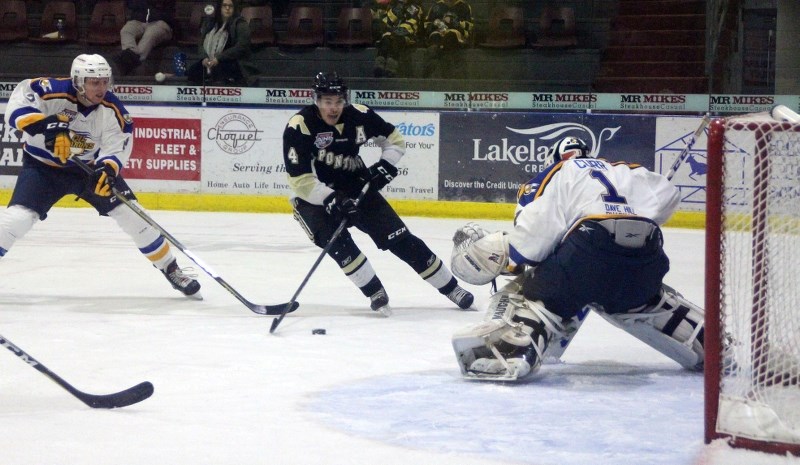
point(329, 84)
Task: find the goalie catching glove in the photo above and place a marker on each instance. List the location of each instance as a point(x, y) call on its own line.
point(478, 256)
point(55, 129)
point(380, 174)
point(103, 178)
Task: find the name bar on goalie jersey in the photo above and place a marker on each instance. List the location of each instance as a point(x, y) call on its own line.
point(463, 101)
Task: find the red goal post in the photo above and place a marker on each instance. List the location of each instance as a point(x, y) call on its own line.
point(752, 332)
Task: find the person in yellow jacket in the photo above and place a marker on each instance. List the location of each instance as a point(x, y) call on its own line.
point(401, 24)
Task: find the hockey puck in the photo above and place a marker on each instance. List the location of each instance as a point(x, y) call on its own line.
point(318, 331)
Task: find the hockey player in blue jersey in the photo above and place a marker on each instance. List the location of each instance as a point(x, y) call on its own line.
point(79, 117)
point(586, 236)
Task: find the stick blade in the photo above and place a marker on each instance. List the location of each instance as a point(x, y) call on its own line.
point(124, 398)
point(274, 310)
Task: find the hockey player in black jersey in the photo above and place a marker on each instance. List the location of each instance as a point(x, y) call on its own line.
point(320, 148)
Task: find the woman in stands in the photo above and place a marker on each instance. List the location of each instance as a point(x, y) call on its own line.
point(224, 46)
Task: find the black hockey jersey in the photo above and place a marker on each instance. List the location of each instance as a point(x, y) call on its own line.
point(321, 158)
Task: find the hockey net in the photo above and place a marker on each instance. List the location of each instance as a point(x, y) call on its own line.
point(753, 283)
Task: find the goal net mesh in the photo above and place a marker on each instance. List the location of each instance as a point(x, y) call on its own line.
point(759, 392)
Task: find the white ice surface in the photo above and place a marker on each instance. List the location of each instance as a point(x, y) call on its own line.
point(79, 297)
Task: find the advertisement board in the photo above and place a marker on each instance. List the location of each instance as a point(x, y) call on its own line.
point(484, 157)
point(458, 156)
point(243, 151)
point(672, 136)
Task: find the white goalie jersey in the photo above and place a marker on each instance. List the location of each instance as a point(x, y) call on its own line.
point(558, 199)
point(553, 203)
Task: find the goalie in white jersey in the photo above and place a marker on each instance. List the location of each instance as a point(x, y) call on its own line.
point(586, 236)
point(79, 117)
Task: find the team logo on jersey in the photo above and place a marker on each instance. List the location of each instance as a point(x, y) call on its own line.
point(323, 140)
point(81, 143)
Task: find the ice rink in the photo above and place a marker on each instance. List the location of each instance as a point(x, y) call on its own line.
point(79, 297)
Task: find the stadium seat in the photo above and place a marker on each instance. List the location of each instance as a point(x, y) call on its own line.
point(190, 35)
point(506, 28)
point(260, 20)
point(53, 11)
point(556, 28)
point(305, 27)
point(353, 28)
point(13, 20)
point(107, 19)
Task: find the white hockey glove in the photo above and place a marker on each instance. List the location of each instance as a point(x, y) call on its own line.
point(468, 234)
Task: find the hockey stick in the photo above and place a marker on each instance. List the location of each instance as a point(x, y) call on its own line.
point(685, 152)
point(287, 309)
point(784, 113)
point(260, 309)
point(124, 398)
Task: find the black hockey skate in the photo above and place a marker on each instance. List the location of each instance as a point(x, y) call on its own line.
point(182, 281)
point(461, 297)
point(379, 302)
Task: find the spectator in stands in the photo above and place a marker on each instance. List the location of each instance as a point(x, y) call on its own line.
point(448, 26)
point(401, 25)
point(224, 48)
point(149, 24)
point(379, 8)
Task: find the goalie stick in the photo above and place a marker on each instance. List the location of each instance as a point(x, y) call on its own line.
point(685, 152)
point(276, 309)
point(342, 225)
point(124, 398)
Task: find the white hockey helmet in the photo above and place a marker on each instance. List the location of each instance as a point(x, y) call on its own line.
point(89, 66)
point(567, 148)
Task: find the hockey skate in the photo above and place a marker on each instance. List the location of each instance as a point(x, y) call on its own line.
point(182, 281)
point(461, 297)
point(379, 302)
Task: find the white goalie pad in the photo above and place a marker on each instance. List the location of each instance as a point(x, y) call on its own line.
point(673, 326)
point(478, 257)
point(478, 356)
point(508, 345)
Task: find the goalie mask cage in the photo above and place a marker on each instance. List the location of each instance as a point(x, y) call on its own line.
point(752, 335)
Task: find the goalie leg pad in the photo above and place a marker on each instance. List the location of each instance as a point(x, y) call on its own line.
point(15, 222)
point(510, 344)
point(672, 325)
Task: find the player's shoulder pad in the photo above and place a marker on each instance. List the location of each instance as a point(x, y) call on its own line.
point(360, 107)
point(527, 191)
point(113, 103)
point(52, 87)
point(298, 123)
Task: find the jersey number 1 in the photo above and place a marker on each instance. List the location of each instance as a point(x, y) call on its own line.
point(611, 195)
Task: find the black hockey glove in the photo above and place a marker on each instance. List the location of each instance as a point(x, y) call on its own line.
point(380, 174)
point(55, 129)
point(103, 179)
point(340, 206)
